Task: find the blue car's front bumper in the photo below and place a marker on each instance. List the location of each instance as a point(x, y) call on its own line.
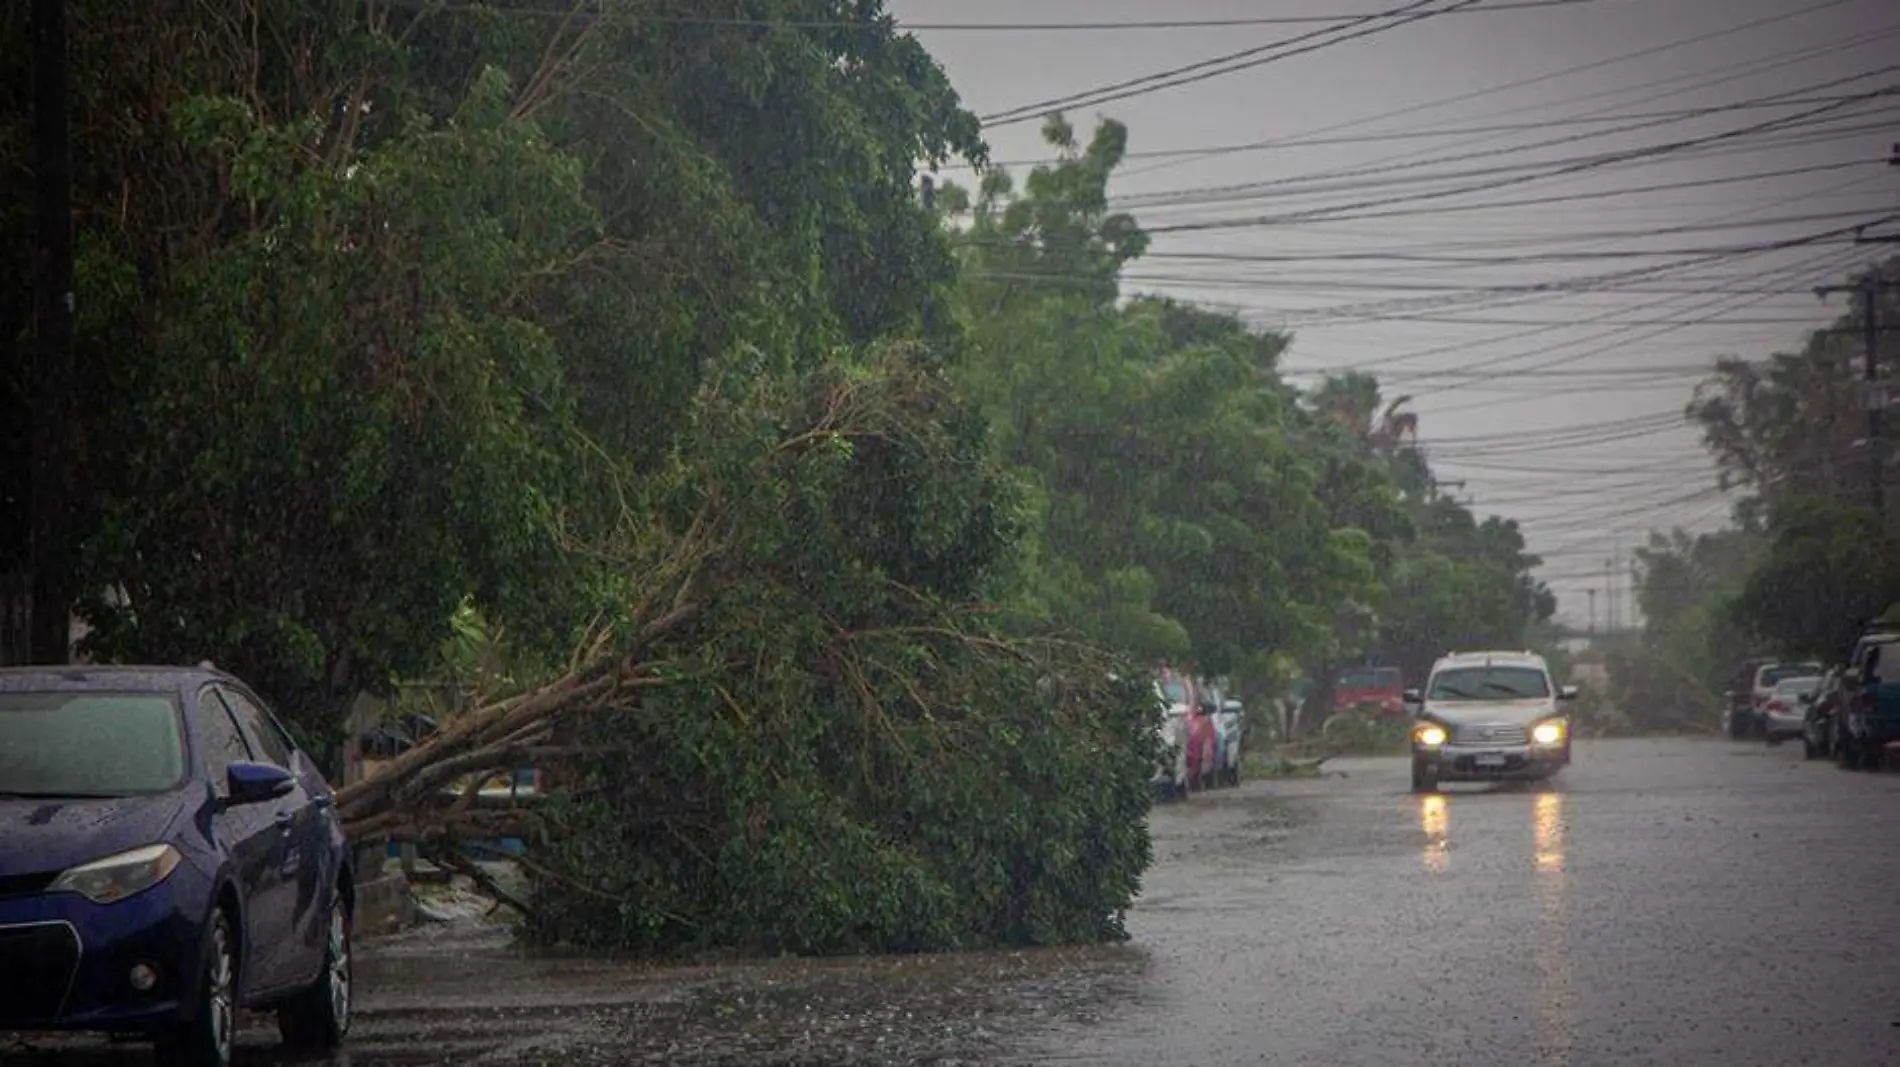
point(66, 963)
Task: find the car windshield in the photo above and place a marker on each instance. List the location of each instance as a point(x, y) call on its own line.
point(1489, 683)
point(1798, 685)
point(1370, 678)
point(89, 744)
point(1774, 675)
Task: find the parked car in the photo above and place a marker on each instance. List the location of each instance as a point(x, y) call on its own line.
point(1868, 717)
point(1784, 715)
point(1226, 716)
point(1818, 714)
point(1738, 713)
point(1748, 702)
point(167, 857)
point(1172, 694)
point(1231, 724)
point(1381, 689)
point(1487, 716)
point(1197, 725)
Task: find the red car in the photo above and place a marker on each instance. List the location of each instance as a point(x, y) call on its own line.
point(1380, 687)
point(1184, 700)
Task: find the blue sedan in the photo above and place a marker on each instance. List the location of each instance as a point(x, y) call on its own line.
point(167, 856)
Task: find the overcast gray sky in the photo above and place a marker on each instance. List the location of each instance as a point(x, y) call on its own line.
point(1562, 408)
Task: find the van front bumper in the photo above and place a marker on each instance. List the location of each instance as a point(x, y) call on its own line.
point(1491, 763)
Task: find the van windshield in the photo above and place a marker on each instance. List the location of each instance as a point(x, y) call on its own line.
point(1489, 683)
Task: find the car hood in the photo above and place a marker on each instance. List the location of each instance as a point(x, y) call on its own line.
point(1468, 712)
point(39, 835)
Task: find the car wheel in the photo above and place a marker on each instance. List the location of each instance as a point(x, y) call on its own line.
point(316, 1019)
point(1424, 778)
point(1774, 740)
point(205, 1040)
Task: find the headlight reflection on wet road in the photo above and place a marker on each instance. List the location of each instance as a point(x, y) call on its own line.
point(1434, 818)
point(1550, 831)
point(1556, 1036)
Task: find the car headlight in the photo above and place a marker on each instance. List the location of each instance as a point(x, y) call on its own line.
point(1430, 736)
point(1548, 733)
point(114, 878)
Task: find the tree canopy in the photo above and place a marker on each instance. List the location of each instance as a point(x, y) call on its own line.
point(820, 609)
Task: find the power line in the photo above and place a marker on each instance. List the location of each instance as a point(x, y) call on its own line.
point(1535, 331)
point(1475, 94)
point(1331, 181)
point(1361, 208)
point(1696, 81)
point(1413, 135)
point(1803, 267)
point(963, 27)
point(1299, 44)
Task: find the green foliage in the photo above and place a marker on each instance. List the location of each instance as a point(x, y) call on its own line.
point(1363, 732)
point(1829, 569)
point(1685, 589)
point(1808, 562)
point(1178, 483)
point(399, 333)
point(844, 755)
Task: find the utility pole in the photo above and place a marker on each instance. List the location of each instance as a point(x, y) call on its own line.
point(1593, 612)
point(1869, 288)
point(1609, 596)
point(49, 506)
point(929, 316)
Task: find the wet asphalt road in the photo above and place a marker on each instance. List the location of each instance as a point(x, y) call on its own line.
point(1661, 902)
point(1670, 902)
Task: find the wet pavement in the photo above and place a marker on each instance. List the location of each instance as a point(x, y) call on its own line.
point(1675, 902)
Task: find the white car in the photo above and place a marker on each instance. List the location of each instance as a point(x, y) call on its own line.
point(1488, 716)
point(1171, 698)
point(1784, 714)
point(1230, 727)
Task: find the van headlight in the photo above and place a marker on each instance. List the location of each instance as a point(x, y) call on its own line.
point(1430, 735)
point(1548, 733)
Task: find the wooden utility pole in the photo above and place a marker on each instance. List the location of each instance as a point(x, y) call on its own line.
point(1869, 288)
point(50, 532)
point(929, 316)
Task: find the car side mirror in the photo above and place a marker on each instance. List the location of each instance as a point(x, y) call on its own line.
point(1851, 676)
point(1568, 692)
point(1411, 697)
point(255, 783)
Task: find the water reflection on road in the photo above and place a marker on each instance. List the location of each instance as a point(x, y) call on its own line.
point(1556, 1026)
point(1434, 820)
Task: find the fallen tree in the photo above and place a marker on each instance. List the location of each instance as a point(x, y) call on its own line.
point(798, 725)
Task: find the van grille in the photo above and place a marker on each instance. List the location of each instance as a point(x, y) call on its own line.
point(1491, 734)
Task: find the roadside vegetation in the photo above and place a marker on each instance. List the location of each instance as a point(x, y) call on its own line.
point(612, 374)
point(1806, 559)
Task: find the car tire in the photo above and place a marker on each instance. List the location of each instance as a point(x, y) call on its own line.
point(316, 1019)
point(206, 1039)
point(1424, 778)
